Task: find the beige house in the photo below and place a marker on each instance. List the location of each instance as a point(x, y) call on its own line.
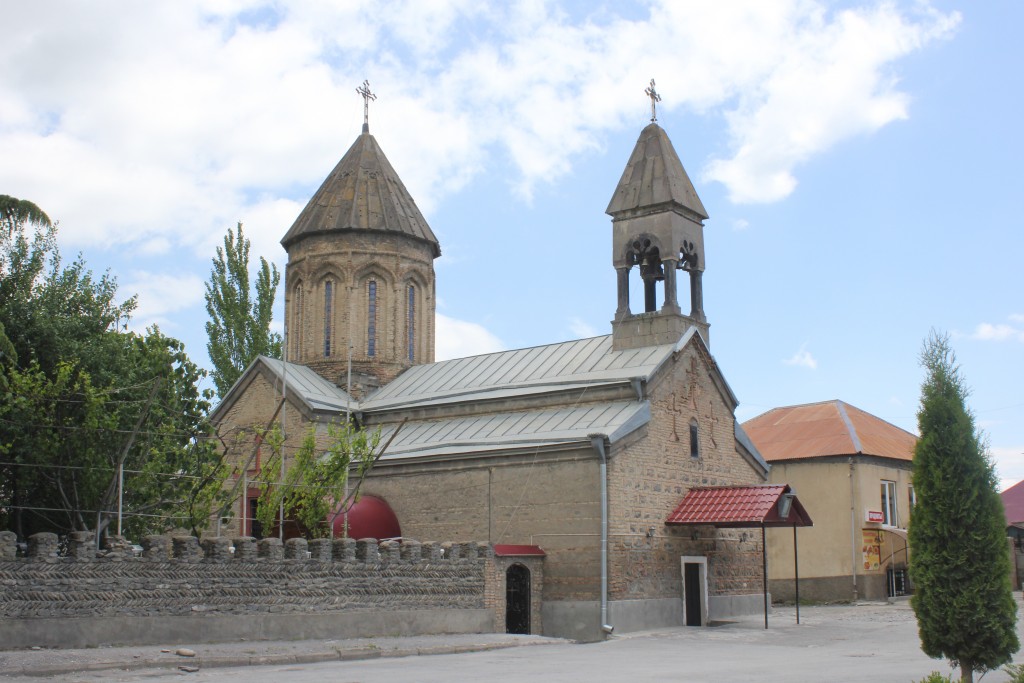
point(581, 448)
point(852, 471)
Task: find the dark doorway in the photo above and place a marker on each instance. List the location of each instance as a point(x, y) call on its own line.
point(517, 599)
point(692, 593)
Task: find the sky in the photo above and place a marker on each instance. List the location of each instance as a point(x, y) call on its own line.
point(860, 162)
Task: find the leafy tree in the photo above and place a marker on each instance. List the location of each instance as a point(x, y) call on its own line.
point(316, 480)
point(239, 327)
point(961, 565)
point(15, 213)
point(82, 398)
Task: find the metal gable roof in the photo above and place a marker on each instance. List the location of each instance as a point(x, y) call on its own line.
point(314, 390)
point(827, 428)
point(737, 506)
point(538, 369)
point(514, 430)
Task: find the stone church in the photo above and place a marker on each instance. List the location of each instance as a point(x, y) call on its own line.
point(577, 451)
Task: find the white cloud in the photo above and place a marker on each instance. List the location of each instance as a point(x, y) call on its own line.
point(160, 295)
point(802, 359)
point(999, 332)
point(581, 329)
point(740, 224)
point(1017, 317)
point(1009, 463)
point(155, 123)
point(458, 339)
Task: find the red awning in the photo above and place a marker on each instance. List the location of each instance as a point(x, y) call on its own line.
point(508, 550)
point(738, 506)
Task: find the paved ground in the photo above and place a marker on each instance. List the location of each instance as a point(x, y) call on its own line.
point(873, 643)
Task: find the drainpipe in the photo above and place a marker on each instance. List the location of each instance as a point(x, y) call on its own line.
point(853, 530)
point(598, 441)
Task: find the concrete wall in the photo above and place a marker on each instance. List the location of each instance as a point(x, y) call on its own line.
point(837, 493)
point(179, 590)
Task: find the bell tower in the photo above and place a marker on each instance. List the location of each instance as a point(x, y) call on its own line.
point(359, 283)
point(657, 227)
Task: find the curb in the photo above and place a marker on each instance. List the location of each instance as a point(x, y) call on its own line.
point(227, 660)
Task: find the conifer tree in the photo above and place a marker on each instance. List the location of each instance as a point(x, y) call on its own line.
point(960, 563)
point(239, 327)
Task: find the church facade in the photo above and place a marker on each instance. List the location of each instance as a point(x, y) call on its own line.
point(578, 450)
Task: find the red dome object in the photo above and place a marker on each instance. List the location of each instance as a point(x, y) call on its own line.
point(370, 517)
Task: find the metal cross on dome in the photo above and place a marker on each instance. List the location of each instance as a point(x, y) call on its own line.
point(655, 98)
point(364, 90)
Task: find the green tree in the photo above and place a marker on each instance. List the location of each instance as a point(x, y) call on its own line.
point(239, 326)
point(15, 213)
point(961, 565)
point(82, 398)
point(317, 479)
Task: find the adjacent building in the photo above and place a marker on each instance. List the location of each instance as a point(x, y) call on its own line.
point(853, 471)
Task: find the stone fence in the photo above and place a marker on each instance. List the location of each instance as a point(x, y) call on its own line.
point(222, 589)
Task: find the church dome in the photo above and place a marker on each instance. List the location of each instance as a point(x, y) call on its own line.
point(370, 517)
point(362, 193)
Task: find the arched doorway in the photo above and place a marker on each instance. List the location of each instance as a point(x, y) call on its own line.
point(517, 599)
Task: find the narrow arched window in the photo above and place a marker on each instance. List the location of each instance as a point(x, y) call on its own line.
point(411, 323)
point(694, 440)
point(371, 318)
point(295, 332)
point(328, 304)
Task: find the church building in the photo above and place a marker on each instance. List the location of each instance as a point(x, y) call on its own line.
point(576, 451)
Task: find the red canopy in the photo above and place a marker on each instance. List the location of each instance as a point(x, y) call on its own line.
point(738, 506)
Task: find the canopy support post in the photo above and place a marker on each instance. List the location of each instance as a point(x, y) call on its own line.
point(764, 573)
point(796, 575)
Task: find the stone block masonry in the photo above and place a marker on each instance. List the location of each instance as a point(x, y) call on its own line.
point(425, 588)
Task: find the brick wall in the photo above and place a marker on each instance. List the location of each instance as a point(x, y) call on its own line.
point(650, 475)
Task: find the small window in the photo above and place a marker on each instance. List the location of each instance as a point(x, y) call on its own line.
point(411, 322)
point(694, 440)
point(328, 302)
point(371, 318)
point(911, 496)
point(889, 503)
point(296, 331)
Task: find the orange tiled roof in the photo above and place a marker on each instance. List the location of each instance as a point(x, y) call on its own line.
point(737, 506)
point(829, 428)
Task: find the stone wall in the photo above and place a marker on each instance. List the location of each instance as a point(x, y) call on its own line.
point(181, 577)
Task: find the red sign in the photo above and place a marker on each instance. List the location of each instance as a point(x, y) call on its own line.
point(875, 517)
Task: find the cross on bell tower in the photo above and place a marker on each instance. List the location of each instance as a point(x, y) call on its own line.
point(364, 90)
point(655, 98)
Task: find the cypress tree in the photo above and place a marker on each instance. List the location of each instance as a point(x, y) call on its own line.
point(960, 563)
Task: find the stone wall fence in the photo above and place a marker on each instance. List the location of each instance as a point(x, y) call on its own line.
point(184, 589)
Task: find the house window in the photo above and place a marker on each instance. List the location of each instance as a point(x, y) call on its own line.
point(889, 503)
point(411, 323)
point(371, 318)
point(911, 496)
point(328, 301)
point(694, 440)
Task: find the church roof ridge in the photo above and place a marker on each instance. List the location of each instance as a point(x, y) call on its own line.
point(362, 192)
point(654, 180)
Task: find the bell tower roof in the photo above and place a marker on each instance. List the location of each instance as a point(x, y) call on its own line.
point(654, 180)
point(362, 193)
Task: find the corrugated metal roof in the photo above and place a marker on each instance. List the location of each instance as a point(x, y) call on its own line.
point(363, 192)
point(737, 506)
point(513, 430)
point(1013, 502)
point(314, 390)
point(552, 367)
point(829, 428)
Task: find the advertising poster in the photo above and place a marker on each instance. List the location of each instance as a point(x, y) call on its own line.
point(872, 549)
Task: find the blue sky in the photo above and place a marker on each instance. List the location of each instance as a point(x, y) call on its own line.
point(860, 162)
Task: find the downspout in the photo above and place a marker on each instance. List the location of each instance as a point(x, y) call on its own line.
point(853, 531)
point(597, 441)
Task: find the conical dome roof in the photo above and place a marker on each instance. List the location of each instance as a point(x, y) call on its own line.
point(654, 179)
point(363, 192)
